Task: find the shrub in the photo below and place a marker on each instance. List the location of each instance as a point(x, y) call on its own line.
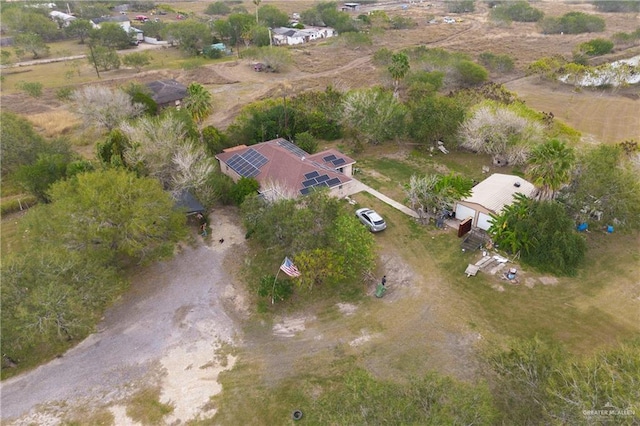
point(33, 89)
point(382, 56)
point(617, 6)
point(460, 6)
point(401, 23)
point(596, 47)
point(471, 74)
point(215, 141)
point(498, 63)
point(243, 188)
point(274, 289)
point(519, 11)
point(573, 23)
point(64, 93)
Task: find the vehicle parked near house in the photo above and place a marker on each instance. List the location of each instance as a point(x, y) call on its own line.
point(371, 220)
point(141, 18)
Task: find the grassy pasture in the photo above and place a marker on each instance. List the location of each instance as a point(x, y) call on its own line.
point(433, 318)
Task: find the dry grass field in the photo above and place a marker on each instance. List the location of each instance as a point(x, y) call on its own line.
point(601, 116)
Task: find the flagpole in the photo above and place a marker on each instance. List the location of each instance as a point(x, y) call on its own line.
point(274, 286)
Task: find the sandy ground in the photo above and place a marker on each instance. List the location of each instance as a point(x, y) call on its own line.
point(165, 332)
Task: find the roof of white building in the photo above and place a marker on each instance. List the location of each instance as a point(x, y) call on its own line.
point(498, 190)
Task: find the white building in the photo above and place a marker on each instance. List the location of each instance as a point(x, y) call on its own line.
point(491, 196)
point(294, 36)
point(65, 18)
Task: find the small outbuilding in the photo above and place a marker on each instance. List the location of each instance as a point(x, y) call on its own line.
point(167, 93)
point(187, 202)
point(490, 196)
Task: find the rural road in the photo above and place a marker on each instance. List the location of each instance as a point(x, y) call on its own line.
point(173, 308)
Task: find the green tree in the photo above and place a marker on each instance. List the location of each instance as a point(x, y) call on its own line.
point(306, 142)
point(542, 232)
point(80, 28)
point(51, 298)
point(191, 36)
point(398, 69)
point(138, 60)
point(104, 58)
point(32, 43)
point(549, 168)
point(111, 151)
point(373, 115)
point(217, 8)
point(36, 178)
point(112, 215)
point(21, 144)
point(23, 20)
point(110, 35)
point(198, 102)
point(319, 266)
point(272, 17)
point(605, 188)
point(434, 118)
point(355, 244)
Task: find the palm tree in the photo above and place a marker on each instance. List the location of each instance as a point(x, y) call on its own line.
point(198, 102)
point(549, 168)
point(399, 68)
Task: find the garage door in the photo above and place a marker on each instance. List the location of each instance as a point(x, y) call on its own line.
point(463, 212)
point(483, 221)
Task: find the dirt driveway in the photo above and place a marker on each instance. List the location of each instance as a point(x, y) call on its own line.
point(165, 332)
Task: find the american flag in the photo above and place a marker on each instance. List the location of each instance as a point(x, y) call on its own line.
point(289, 268)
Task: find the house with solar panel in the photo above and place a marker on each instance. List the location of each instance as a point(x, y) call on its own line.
point(282, 163)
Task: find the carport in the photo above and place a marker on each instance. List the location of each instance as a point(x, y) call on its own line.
point(489, 197)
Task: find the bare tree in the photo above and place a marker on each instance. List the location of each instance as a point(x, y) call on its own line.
point(104, 106)
point(273, 191)
point(160, 148)
point(500, 133)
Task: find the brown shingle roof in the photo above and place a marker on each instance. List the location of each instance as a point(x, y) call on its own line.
point(287, 165)
point(167, 91)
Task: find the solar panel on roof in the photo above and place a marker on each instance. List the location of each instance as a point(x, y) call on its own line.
point(329, 157)
point(333, 182)
point(305, 191)
point(242, 167)
point(322, 178)
point(254, 158)
point(308, 183)
point(311, 175)
point(339, 161)
point(292, 148)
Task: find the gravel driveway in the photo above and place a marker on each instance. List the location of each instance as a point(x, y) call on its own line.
point(172, 319)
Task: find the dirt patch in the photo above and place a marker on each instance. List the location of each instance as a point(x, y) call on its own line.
point(347, 308)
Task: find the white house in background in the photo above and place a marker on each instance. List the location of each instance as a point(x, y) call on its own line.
point(65, 18)
point(121, 20)
point(293, 36)
point(491, 196)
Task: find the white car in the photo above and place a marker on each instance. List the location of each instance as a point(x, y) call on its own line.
point(371, 219)
point(448, 20)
